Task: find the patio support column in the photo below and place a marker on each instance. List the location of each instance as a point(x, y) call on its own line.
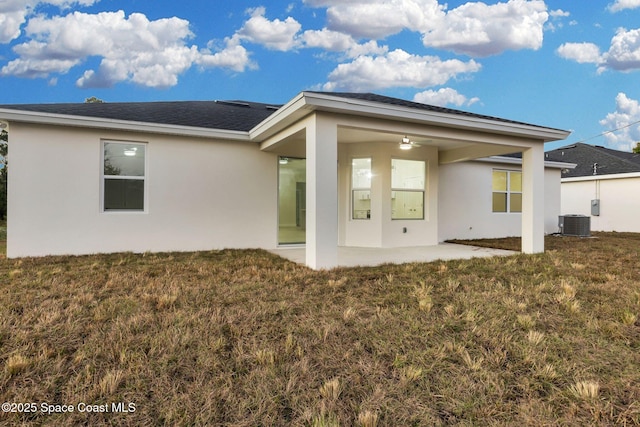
point(322, 193)
point(533, 199)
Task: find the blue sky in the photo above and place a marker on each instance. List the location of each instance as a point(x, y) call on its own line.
point(561, 63)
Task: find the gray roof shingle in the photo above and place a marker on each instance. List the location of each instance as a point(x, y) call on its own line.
point(606, 160)
point(226, 115)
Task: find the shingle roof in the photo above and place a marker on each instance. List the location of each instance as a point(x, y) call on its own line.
point(224, 115)
point(606, 160)
point(419, 106)
point(227, 115)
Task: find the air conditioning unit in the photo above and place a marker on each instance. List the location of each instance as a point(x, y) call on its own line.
point(575, 225)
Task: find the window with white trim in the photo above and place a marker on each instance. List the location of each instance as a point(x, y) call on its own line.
point(507, 191)
point(123, 176)
point(407, 189)
point(361, 188)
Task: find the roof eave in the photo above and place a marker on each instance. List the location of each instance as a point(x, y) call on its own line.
point(286, 115)
point(602, 177)
point(306, 102)
point(18, 116)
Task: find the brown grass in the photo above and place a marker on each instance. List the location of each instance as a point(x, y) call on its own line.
point(244, 338)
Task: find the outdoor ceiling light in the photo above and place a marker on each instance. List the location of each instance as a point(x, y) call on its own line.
point(4, 125)
point(283, 160)
point(130, 151)
point(405, 144)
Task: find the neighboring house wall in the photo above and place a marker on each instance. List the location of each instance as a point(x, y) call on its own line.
point(619, 201)
point(200, 194)
point(465, 208)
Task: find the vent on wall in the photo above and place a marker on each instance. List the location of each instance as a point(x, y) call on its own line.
point(575, 225)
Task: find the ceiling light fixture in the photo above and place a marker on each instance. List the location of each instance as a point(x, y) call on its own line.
point(4, 125)
point(283, 160)
point(405, 144)
point(130, 151)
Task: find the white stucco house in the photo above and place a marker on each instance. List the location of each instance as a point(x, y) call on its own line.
point(324, 170)
point(604, 186)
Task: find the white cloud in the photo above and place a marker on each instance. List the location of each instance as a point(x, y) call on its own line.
point(559, 13)
point(148, 53)
point(443, 97)
point(556, 15)
point(480, 30)
point(276, 34)
point(396, 69)
point(474, 28)
point(381, 18)
point(619, 5)
point(13, 13)
point(583, 53)
point(625, 118)
point(233, 56)
point(334, 41)
point(623, 54)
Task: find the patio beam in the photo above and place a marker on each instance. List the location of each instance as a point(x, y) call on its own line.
point(474, 152)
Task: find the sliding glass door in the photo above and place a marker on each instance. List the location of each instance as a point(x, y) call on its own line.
point(292, 200)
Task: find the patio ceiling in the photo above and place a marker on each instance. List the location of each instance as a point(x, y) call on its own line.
point(293, 144)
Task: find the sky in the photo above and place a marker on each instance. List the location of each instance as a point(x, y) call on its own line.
point(567, 64)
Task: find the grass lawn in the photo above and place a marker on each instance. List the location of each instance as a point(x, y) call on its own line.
point(243, 338)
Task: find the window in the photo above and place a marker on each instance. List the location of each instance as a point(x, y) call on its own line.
point(361, 188)
point(407, 189)
point(123, 171)
point(507, 191)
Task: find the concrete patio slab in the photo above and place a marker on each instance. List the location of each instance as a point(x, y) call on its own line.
point(368, 257)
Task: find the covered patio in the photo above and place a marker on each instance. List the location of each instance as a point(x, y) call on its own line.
point(331, 130)
point(370, 257)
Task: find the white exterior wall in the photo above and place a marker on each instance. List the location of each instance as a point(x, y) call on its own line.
point(380, 230)
point(619, 201)
point(465, 209)
point(200, 194)
point(552, 199)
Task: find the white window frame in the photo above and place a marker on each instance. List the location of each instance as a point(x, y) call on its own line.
point(508, 191)
point(354, 189)
point(411, 190)
point(143, 178)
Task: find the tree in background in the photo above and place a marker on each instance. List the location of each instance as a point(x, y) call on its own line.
point(636, 149)
point(93, 100)
point(4, 148)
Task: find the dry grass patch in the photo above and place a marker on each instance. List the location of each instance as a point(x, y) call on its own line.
point(16, 364)
point(585, 389)
point(247, 338)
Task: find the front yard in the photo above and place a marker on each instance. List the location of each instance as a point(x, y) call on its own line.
point(246, 338)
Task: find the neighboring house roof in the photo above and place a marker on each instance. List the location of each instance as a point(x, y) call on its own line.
point(594, 160)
